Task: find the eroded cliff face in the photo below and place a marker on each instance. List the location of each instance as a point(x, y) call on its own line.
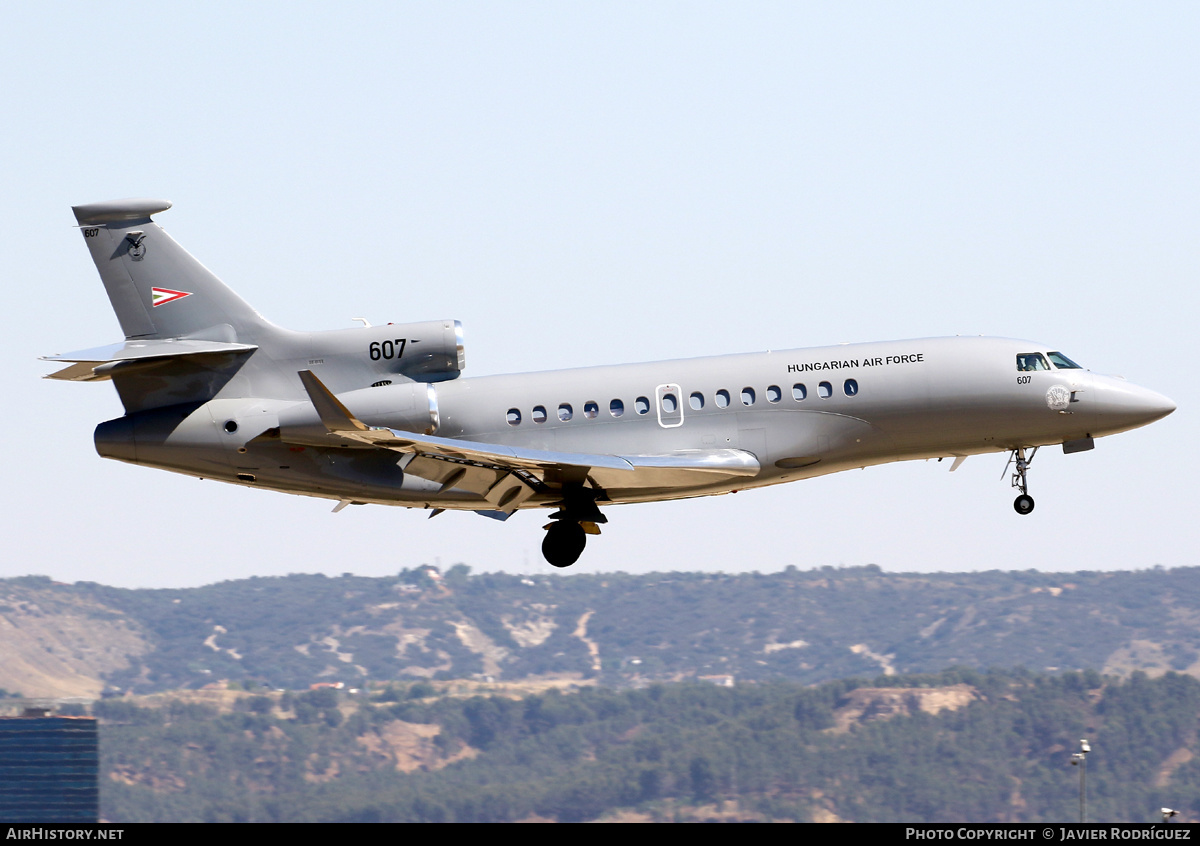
point(54, 644)
point(867, 704)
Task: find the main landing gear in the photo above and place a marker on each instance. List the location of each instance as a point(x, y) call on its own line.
point(567, 531)
point(564, 542)
point(1023, 504)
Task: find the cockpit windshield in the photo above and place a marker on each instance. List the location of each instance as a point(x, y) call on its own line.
point(1062, 362)
point(1031, 361)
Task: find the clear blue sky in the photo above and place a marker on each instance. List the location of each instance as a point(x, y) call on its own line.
point(599, 183)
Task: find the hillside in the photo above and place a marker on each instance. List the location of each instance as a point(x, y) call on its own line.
point(954, 747)
point(804, 626)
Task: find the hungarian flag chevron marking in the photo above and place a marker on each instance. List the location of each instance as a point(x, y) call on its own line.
point(162, 296)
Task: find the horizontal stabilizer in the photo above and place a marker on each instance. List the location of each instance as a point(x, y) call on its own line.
point(118, 211)
point(84, 363)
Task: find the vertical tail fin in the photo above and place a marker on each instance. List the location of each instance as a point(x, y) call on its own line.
point(156, 287)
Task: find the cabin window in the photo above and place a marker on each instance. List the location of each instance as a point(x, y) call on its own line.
point(565, 412)
point(1031, 361)
point(513, 417)
point(669, 403)
point(774, 394)
point(850, 386)
point(1062, 362)
point(824, 390)
point(799, 392)
point(616, 408)
point(641, 405)
point(747, 396)
point(539, 414)
point(722, 398)
point(590, 409)
point(696, 400)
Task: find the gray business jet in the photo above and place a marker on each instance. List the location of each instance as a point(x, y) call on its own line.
point(378, 414)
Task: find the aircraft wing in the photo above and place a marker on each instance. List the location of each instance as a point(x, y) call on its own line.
point(508, 475)
point(90, 365)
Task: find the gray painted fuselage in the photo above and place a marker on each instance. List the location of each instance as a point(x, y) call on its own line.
point(381, 415)
point(915, 399)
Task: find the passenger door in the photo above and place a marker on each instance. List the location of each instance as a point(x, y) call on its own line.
point(669, 400)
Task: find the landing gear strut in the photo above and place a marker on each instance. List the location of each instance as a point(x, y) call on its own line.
point(567, 531)
point(1023, 504)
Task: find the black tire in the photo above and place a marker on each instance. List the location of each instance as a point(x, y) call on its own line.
point(564, 543)
point(1023, 504)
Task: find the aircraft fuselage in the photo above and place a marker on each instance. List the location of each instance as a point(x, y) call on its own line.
point(379, 414)
point(801, 413)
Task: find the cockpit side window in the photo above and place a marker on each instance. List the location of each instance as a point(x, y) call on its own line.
point(1062, 362)
point(1031, 361)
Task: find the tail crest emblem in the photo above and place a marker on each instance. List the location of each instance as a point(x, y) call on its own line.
point(162, 296)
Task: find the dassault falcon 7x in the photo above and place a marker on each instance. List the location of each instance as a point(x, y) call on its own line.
point(378, 414)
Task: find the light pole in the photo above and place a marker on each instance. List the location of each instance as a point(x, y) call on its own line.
point(1079, 759)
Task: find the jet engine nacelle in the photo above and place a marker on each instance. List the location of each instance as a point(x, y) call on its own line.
point(409, 407)
point(424, 352)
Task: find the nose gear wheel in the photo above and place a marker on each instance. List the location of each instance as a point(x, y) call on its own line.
point(1023, 504)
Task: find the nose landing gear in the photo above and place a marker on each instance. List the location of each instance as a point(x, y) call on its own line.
point(1023, 504)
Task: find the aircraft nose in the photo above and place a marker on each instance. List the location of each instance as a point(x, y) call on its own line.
point(1149, 405)
point(1159, 406)
point(1129, 406)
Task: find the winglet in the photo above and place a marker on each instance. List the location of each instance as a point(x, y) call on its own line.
point(335, 416)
